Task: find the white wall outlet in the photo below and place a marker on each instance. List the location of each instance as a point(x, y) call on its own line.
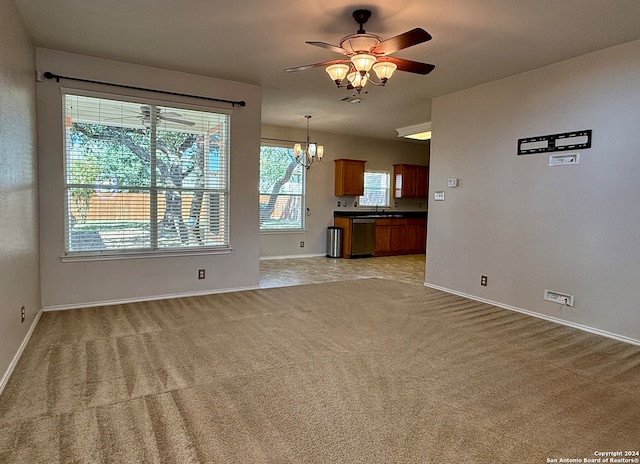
point(564, 160)
point(438, 196)
point(452, 182)
point(559, 297)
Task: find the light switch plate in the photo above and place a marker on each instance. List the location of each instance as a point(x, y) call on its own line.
point(438, 196)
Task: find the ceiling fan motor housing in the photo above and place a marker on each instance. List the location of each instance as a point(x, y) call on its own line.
point(359, 43)
point(361, 17)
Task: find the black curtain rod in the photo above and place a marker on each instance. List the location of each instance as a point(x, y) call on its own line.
point(57, 77)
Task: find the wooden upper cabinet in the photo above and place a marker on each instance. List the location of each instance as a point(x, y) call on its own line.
point(422, 181)
point(410, 181)
point(349, 178)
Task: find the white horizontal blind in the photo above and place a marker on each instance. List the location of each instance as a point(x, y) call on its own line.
point(376, 189)
point(144, 177)
point(282, 189)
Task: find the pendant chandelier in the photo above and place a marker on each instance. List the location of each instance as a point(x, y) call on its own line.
point(311, 152)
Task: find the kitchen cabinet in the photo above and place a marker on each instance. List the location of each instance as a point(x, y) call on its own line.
point(415, 236)
point(399, 236)
point(410, 181)
point(349, 177)
point(345, 224)
point(383, 237)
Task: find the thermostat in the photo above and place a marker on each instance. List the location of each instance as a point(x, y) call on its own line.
point(452, 182)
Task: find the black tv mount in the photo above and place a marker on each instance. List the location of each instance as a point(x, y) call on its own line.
point(555, 142)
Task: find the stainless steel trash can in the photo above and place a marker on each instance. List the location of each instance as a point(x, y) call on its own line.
point(334, 242)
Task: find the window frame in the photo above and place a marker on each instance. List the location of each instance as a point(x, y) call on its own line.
point(388, 196)
point(151, 251)
point(303, 195)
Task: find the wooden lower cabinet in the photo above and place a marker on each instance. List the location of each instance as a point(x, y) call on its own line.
point(394, 236)
point(345, 224)
point(397, 236)
point(415, 236)
point(383, 237)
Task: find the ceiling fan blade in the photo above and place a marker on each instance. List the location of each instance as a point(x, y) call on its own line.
point(315, 65)
point(178, 121)
point(170, 114)
point(333, 48)
point(408, 39)
point(410, 66)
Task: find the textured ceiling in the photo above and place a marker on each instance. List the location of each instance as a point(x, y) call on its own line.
point(474, 41)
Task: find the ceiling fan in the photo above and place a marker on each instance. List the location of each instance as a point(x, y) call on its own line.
point(164, 115)
point(364, 51)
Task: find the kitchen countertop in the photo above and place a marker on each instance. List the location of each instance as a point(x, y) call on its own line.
point(380, 214)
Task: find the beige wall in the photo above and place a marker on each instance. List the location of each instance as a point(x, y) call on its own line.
point(68, 284)
point(531, 227)
point(19, 271)
point(379, 154)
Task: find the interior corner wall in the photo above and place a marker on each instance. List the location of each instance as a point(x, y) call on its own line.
point(529, 226)
point(19, 267)
point(69, 284)
point(380, 155)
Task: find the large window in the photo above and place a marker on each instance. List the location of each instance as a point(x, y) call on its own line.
point(282, 188)
point(144, 177)
point(376, 189)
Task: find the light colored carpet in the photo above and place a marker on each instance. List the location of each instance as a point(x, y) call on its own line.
point(364, 371)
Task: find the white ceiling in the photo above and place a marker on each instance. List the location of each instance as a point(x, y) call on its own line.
point(474, 41)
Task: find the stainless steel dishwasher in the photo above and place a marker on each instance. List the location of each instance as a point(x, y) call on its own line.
point(363, 237)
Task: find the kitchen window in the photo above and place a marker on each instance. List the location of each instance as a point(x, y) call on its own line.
point(144, 176)
point(377, 186)
point(282, 189)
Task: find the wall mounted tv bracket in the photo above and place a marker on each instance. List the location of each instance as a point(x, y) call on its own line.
point(555, 142)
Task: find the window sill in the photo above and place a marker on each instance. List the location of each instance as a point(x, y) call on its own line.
point(79, 257)
point(283, 231)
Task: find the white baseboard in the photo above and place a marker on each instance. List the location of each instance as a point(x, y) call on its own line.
point(310, 255)
point(584, 328)
point(147, 298)
point(16, 358)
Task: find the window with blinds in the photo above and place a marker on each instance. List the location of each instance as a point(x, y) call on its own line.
point(376, 188)
point(144, 177)
point(282, 189)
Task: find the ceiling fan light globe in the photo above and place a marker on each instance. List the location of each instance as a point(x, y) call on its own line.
point(337, 72)
point(358, 80)
point(363, 61)
point(384, 70)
